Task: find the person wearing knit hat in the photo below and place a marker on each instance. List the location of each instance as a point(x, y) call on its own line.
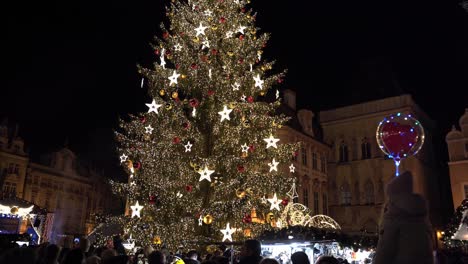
point(405, 230)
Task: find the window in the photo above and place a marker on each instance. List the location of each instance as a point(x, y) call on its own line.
point(324, 204)
point(466, 191)
point(33, 196)
point(314, 160)
point(343, 152)
point(304, 156)
point(296, 199)
point(323, 163)
point(369, 192)
point(316, 203)
point(365, 149)
point(306, 197)
point(466, 147)
point(9, 188)
point(16, 169)
point(11, 168)
point(345, 194)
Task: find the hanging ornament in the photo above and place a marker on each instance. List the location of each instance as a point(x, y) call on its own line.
point(241, 37)
point(175, 95)
point(252, 148)
point(176, 140)
point(222, 20)
point(247, 219)
point(143, 119)
point(194, 102)
point(194, 66)
point(200, 30)
point(229, 34)
point(227, 233)
point(186, 125)
point(292, 168)
point(200, 221)
point(230, 53)
point(137, 165)
point(245, 148)
point(210, 92)
point(156, 52)
point(153, 107)
point(165, 34)
point(235, 86)
point(240, 193)
point(250, 99)
point(240, 168)
point(273, 165)
point(248, 232)
point(241, 29)
point(136, 209)
point(173, 78)
point(157, 240)
point(208, 219)
point(168, 106)
point(274, 203)
point(225, 113)
point(271, 141)
point(188, 147)
point(280, 80)
point(152, 199)
point(188, 188)
point(123, 158)
point(258, 82)
point(162, 92)
point(177, 47)
point(205, 174)
point(285, 201)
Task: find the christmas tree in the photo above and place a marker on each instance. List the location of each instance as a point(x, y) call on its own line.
point(205, 163)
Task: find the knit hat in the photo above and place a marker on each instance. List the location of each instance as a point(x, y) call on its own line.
point(400, 184)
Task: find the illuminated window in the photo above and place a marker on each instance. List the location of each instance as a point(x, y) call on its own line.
point(314, 160)
point(345, 194)
point(369, 192)
point(365, 149)
point(323, 163)
point(304, 156)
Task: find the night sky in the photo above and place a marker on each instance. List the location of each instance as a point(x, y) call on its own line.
point(69, 67)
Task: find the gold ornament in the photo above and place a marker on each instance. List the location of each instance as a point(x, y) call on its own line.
point(253, 32)
point(214, 28)
point(162, 92)
point(175, 95)
point(246, 123)
point(232, 105)
point(260, 52)
point(262, 93)
point(147, 137)
point(244, 154)
point(247, 232)
point(208, 219)
point(168, 106)
point(270, 217)
point(196, 40)
point(183, 76)
point(129, 164)
point(240, 193)
point(230, 53)
point(263, 68)
point(14, 210)
point(157, 240)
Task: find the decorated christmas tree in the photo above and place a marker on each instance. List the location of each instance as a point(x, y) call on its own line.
point(205, 163)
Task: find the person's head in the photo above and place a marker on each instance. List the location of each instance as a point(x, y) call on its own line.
point(85, 244)
point(156, 257)
point(220, 260)
point(402, 184)
point(74, 256)
point(251, 247)
point(93, 260)
point(326, 260)
point(51, 253)
point(269, 261)
point(147, 250)
point(192, 254)
point(300, 258)
point(108, 253)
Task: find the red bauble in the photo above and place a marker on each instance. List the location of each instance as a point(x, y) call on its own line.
point(399, 139)
point(210, 92)
point(137, 165)
point(186, 125)
point(241, 60)
point(240, 168)
point(241, 37)
point(243, 10)
point(176, 140)
point(247, 219)
point(251, 148)
point(222, 20)
point(156, 52)
point(214, 52)
point(143, 119)
point(189, 188)
point(280, 80)
point(194, 66)
point(177, 66)
point(165, 34)
point(250, 99)
point(295, 153)
point(194, 102)
point(152, 199)
point(285, 201)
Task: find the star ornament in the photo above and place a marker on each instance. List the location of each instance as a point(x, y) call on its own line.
point(136, 209)
point(188, 147)
point(200, 221)
point(177, 47)
point(258, 82)
point(200, 30)
point(229, 34)
point(271, 141)
point(236, 86)
point(123, 158)
point(205, 174)
point(241, 29)
point(274, 203)
point(205, 44)
point(153, 107)
point(173, 78)
point(227, 233)
point(149, 129)
point(292, 168)
point(245, 148)
point(273, 165)
point(225, 113)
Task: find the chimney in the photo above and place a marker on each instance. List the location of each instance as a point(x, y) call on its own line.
point(290, 98)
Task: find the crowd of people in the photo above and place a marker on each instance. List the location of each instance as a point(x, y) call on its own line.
point(404, 238)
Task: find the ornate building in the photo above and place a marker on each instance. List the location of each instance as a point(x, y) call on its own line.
point(457, 142)
point(311, 160)
point(59, 183)
point(357, 168)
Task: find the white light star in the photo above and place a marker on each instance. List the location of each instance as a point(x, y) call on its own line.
point(149, 129)
point(259, 56)
point(123, 158)
point(241, 29)
point(245, 148)
point(277, 94)
point(243, 97)
point(251, 67)
point(274, 203)
point(200, 30)
point(173, 78)
point(205, 174)
point(200, 221)
point(153, 107)
point(179, 195)
point(209, 73)
point(271, 141)
point(258, 82)
point(263, 200)
point(205, 44)
point(225, 113)
point(188, 147)
point(292, 168)
point(208, 13)
point(227, 233)
point(177, 47)
point(136, 209)
point(235, 86)
point(229, 34)
point(273, 165)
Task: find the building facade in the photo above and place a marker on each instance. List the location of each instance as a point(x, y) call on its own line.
point(58, 183)
point(457, 143)
point(311, 160)
point(358, 170)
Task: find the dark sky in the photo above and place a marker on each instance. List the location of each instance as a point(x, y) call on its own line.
point(69, 67)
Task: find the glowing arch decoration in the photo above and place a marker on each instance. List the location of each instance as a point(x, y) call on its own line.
point(15, 210)
point(325, 222)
